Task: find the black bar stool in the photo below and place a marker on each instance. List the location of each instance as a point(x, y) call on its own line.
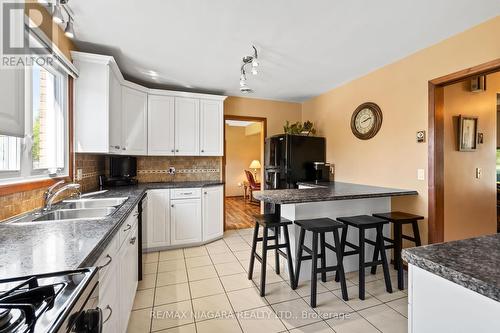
point(398, 219)
point(363, 223)
point(273, 222)
point(320, 227)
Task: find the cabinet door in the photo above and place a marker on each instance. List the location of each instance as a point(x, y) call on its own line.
point(187, 126)
point(211, 127)
point(128, 277)
point(157, 224)
point(161, 110)
point(213, 220)
point(115, 114)
point(108, 300)
point(134, 121)
point(185, 221)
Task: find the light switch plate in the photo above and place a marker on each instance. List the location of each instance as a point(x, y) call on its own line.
point(420, 174)
point(79, 174)
point(479, 173)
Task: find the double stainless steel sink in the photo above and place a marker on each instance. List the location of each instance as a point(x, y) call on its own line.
point(78, 209)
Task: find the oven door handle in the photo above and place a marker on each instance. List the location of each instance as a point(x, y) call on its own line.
point(110, 309)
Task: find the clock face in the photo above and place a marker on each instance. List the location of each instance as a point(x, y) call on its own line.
point(366, 121)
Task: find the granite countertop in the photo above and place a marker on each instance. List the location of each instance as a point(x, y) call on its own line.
point(44, 247)
point(328, 191)
point(472, 263)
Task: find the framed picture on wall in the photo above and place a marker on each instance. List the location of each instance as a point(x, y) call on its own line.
point(467, 138)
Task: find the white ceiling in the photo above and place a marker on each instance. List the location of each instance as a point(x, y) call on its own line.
point(305, 47)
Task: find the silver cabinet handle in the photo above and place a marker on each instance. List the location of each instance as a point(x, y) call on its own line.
point(110, 259)
point(128, 227)
point(202, 151)
point(187, 193)
point(173, 150)
point(172, 206)
point(177, 150)
point(124, 148)
point(205, 193)
point(136, 214)
point(115, 147)
point(108, 307)
point(132, 240)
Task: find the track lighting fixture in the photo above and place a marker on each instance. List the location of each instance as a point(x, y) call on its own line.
point(69, 31)
point(247, 60)
point(57, 16)
point(59, 7)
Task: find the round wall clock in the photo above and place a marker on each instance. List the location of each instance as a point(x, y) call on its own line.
point(366, 121)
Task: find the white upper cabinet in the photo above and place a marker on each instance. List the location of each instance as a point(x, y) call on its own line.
point(187, 126)
point(211, 127)
point(12, 102)
point(115, 114)
point(134, 113)
point(161, 125)
point(212, 207)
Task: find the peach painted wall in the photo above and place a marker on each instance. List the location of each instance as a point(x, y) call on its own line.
point(400, 89)
point(470, 203)
point(276, 112)
point(241, 150)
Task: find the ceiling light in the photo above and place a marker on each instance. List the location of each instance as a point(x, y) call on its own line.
point(254, 71)
point(247, 60)
point(57, 16)
point(255, 63)
point(246, 90)
point(69, 31)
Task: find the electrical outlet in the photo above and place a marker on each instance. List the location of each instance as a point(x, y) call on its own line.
point(479, 173)
point(79, 174)
point(420, 174)
point(171, 171)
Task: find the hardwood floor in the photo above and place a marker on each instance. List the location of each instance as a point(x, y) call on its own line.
point(239, 214)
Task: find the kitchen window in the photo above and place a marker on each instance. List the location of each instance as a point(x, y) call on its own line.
point(44, 150)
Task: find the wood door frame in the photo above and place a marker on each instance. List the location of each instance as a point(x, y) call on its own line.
point(262, 120)
point(436, 144)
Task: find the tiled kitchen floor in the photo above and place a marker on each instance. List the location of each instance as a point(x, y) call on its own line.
point(205, 289)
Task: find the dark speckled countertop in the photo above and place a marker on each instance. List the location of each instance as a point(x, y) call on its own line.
point(328, 191)
point(43, 247)
point(473, 263)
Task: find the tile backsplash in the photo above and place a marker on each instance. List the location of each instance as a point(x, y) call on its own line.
point(149, 169)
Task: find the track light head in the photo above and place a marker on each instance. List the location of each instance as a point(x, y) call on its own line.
point(69, 31)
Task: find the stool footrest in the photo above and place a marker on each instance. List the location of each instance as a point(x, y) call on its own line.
point(260, 239)
point(275, 247)
point(369, 241)
point(352, 246)
point(258, 257)
point(409, 238)
point(327, 269)
point(373, 263)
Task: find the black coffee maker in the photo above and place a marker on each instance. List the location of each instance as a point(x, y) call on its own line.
point(321, 171)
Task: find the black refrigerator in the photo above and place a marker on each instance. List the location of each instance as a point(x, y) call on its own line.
point(289, 159)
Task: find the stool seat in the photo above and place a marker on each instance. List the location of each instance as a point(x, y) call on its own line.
point(320, 224)
point(362, 221)
point(270, 220)
point(399, 216)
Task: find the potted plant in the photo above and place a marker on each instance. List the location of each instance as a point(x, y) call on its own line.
point(297, 128)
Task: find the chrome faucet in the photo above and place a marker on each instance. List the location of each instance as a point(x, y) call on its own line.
point(50, 195)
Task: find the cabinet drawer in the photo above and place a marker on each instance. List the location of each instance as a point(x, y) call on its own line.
point(185, 193)
point(127, 227)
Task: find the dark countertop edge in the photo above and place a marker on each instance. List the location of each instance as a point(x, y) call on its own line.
point(333, 198)
point(94, 255)
point(452, 275)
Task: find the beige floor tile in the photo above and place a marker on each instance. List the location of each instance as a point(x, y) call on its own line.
point(352, 323)
point(198, 261)
point(280, 292)
point(271, 276)
point(385, 319)
point(140, 321)
point(223, 258)
point(171, 254)
point(243, 246)
point(172, 315)
point(143, 299)
point(231, 233)
point(400, 305)
point(331, 285)
point(210, 307)
point(150, 268)
point(377, 289)
point(260, 320)
point(198, 251)
point(354, 301)
point(172, 293)
point(246, 231)
point(219, 325)
point(171, 265)
point(320, 327)
point(229, 268)
point(172, 277)
point(189, 328)
point(295, 313)
point(245, 299)
point(242, 255)
point(206, 287)
point(148, 281)
point(236, 282)
point(218, 249)
point(329, 306)
point(150, 257)
point(219, 242)
point(304, 288)
point(201, 273)
point(235, 239)
point(354, 276)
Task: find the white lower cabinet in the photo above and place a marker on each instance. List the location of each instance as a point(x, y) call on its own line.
point(213, 212)
point(118, 276)
point(185, 221)
point(183, 217)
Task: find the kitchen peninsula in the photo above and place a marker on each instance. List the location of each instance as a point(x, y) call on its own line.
point(332, 200)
